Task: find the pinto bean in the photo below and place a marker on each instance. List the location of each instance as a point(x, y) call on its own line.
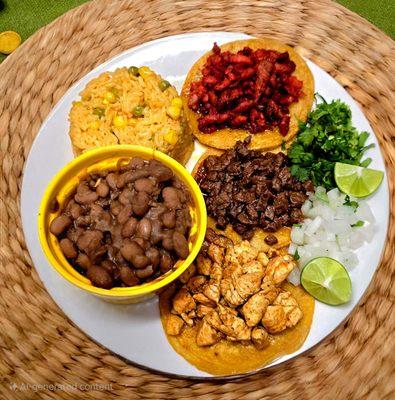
point(68, 248)
point(59, 224)
point(144, 244)
point(156, 232)
point(74, 233)
point(100, 277)
point(102, 189)
point(168, 243)
point(271, 240)
point(144, 229)
point(128, 276)
point(130, 250)
point(83, 261)
point(160, 171)
point(54, 205)
point(180, 245)
point(109, 266)
point(145, 185)
point(102, 222)
point(145, 272)
point(124, 214)
point(111, 180)
point(166, 262)
point(169, 219)
point(76, 210)
point(89, 241)
point(121, 181)
point(96, 210)
point(153, 254)
point(140, 261)
point(86, 197)
point(170, 196)
point(129, 228)
point(156, 210)
point(132, 176)
point(97, 254)
point(141, 204)
point(183, 221)
point(126, 196)
point(135, 162)
point(115, 207)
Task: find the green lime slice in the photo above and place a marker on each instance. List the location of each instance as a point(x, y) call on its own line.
point(357, 181)
point(327, 281)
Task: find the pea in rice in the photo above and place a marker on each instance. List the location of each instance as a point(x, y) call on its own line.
point(130, 106)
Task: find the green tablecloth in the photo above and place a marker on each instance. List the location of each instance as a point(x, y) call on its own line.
point(26, 16)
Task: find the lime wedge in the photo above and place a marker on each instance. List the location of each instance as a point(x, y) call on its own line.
point(327, 281)
point(9, 41)
point(357, 181)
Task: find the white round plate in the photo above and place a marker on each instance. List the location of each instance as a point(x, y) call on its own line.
point(135, 331)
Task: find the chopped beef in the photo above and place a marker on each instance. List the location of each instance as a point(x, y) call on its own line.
point(251, 190)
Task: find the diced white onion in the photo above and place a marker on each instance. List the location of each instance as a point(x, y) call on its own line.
point(329, 230)
point(297, 235)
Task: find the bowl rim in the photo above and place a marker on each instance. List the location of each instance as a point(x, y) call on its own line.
point(105, 152)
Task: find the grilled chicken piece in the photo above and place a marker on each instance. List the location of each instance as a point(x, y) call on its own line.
point(235, 326)
point(216, 273)
point(279, 268)
point(263, 259)
point(188, 318)
point(260, 338)
point(212, 292)
point(196, 283)
point(253, 267)
point(229, 293)
point(202, 310)
point(216, 253)
point(240, 281)
point(201, 298)
point(174, 325)
point(254, 309)
point(224, 320)
point(183, 302)
point(271, 291)
point(187, 274)
point(282, 314)
point(207, 335)
point(203, 264)
point(241, 253)
point(247, 284)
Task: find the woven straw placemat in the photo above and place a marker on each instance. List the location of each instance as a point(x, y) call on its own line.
point(39, 345)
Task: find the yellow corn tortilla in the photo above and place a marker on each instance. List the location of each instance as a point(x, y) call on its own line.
point(227, 138)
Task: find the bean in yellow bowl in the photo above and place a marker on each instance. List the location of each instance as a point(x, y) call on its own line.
point(122, 194)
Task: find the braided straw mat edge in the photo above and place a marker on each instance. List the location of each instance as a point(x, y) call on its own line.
point(39, 345)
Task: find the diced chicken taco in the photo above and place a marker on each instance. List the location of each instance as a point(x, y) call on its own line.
point(233, 311)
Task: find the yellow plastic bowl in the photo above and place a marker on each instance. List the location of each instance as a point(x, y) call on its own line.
point(104, 158)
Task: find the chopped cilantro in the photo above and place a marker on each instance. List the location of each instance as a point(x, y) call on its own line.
point(327, 137)
point(358, 224)
point(296, 255)
point(351, 203)
point(283, 145)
